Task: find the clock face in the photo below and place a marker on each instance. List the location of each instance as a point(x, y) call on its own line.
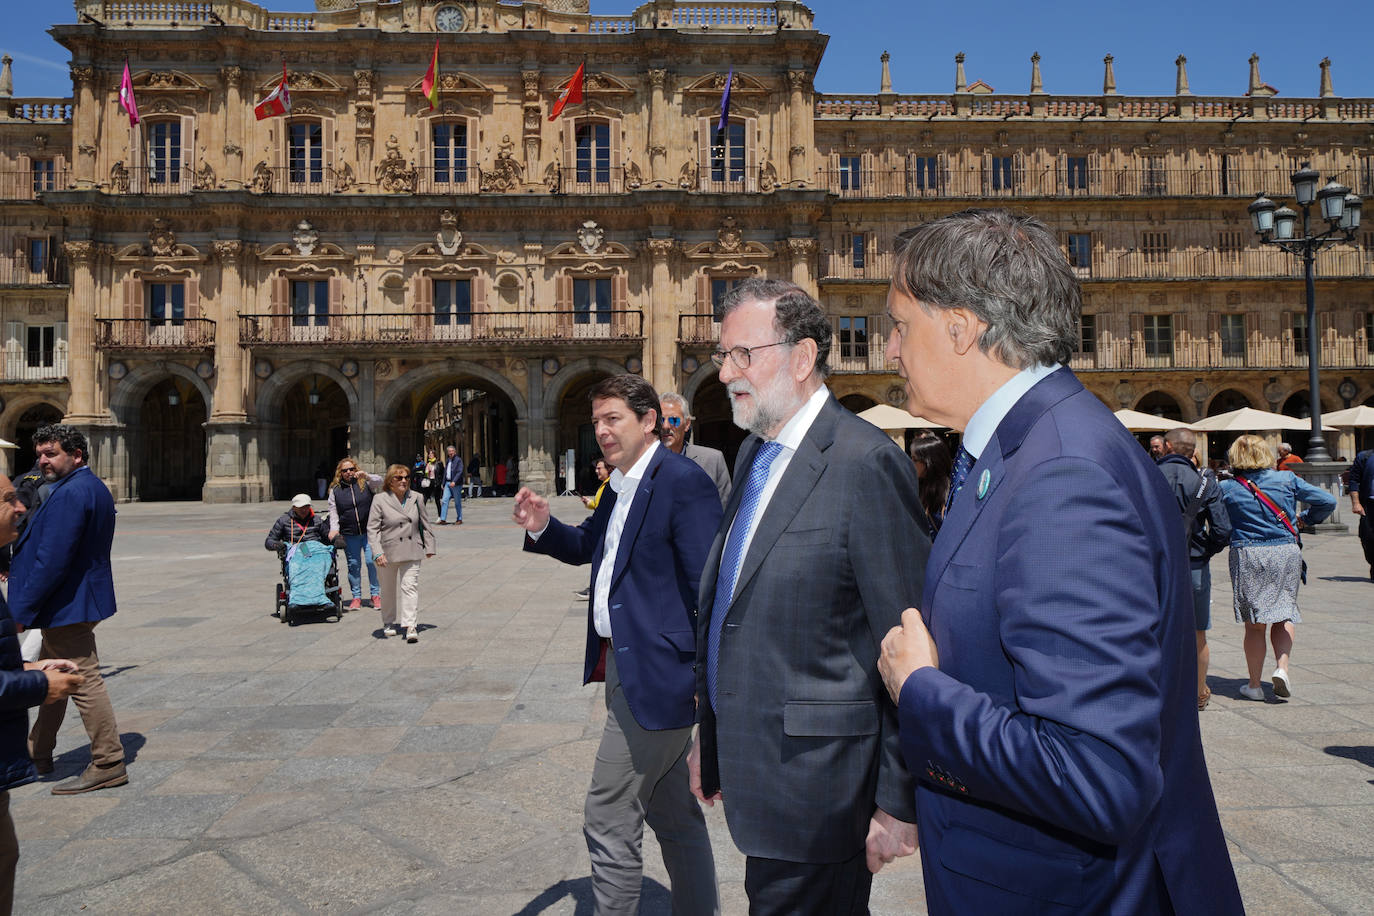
point(449, 18)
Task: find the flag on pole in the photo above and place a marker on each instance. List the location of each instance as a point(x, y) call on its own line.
point(126, 96)
point(429, 86)
point(725, 103)
point(572, 93)
point(278, 101)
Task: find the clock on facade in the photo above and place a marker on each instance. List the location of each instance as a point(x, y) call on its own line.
point(449, 18)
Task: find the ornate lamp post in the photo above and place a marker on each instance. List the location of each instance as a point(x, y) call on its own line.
point(1276, 225)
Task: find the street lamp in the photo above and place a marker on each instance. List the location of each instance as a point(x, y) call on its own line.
point(1277, 225)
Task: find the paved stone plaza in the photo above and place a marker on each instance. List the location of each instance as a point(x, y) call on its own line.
point(318, 767)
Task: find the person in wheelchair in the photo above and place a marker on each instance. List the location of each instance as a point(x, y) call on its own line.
point(297, 525)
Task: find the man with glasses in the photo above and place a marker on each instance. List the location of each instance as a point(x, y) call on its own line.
point(821, 547)
point(677, 422)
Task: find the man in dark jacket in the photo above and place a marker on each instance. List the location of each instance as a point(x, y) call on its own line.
point(21, 685)
point(61, 582)
point(1209, 531)
point(299, 524)
point(1361, 489)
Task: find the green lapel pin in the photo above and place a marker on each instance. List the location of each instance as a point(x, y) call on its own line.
point(984, 481)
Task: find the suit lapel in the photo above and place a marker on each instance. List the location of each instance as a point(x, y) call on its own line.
point(639, 509)
point(606, 504)
point(797, 482)
point(712, 568)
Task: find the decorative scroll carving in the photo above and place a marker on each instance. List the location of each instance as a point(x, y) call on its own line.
point(228, 250)
point(506, 174)
point(393, 174)
point(364, 80)
point(162, 242)
point(590, 236)
point(660, 249)
point(305, 238)
point(728, 237)
point(80, 253)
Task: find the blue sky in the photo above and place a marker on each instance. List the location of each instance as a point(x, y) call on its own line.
point(1072, 36)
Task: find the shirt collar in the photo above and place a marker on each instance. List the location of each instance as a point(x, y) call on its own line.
point(795, 429)
point(618, 480)
point(990, 414)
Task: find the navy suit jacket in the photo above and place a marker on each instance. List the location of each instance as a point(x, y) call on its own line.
point(1057, 748)
point(61, 570)
point(653, 595)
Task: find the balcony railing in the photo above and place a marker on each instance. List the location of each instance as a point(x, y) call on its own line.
point(21, 272)
point(700, 328)
point(28, 184)
point(858, 342)
point(391, 329)
point(1186, 352)
point(35, 365)
point(152, 180)
point(151, 334)
point(586, 180)
point(464, 180)
point(289, 180)
point(1053, 181)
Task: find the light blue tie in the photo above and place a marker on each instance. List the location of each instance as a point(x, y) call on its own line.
point(963, 463)
point(732, 557)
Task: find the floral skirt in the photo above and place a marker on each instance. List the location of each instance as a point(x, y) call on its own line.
point(1264, 580)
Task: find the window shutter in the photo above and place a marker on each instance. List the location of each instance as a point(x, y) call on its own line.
point(1018, 172)
point(563, 303)
point(706, 130)
point(278, 133)
point(620, 304)
point(192, 297)
point(280, 306)
point(138, 159)
point(1137, 338)
point(1183, 345)
point(615, 129)
point(188, 157)
point(479, 294)
point(569, 154)
point(987, 173)
point(133, 298)
point(425, 148)
point(14, 348)
point(422, 304)
point(704, 304)
point(335, 296)
point(59, 346)
point(330, 142)
point(751, 156)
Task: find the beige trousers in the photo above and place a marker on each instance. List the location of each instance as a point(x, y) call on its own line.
point(400, 592)
point(76, 641)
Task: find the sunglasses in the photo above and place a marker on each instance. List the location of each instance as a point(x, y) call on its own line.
point(674, 422)
point(401, 477)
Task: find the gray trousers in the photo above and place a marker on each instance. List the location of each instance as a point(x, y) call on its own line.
point(640, 776)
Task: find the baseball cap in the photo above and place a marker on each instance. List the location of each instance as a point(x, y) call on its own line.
point(299, 500)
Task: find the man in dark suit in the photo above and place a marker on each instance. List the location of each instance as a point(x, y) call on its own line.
point(1361, 488)
point(1045, 687)
point(820, 549)
point(61, 582)
point(647, 542)
point(677, 425)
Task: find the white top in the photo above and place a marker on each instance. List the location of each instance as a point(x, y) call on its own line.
point(991, 412)
point(624, 486)
point(789, 437)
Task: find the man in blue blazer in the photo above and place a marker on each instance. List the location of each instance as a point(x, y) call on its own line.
point(61, 581)
point(647, 542)
point(1045, 687)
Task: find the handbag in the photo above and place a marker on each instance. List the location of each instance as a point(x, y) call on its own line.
point(425, 483)
point(1281, 515)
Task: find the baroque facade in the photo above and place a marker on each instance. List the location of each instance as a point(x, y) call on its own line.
point(225, 303)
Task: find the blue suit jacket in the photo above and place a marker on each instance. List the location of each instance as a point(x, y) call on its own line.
point(61, 569)
point(653, 596)
point(1057, 746)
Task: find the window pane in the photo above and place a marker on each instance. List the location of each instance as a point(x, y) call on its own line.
point(727, 153)
point(1233, 335)
point(442, 138)
point(157, 303)
point(178, 301)
point(603, 300)
point(462, 301)
point(1080, 250)
point(857, 248)
point(38, 256)
point(321, 302)
point(1087, 334)
point(300, 303)
point(850, 173)
point(1078, 173)
point(582, 296)
point(443, 301)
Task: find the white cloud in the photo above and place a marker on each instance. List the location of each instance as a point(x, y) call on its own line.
point(61, 66)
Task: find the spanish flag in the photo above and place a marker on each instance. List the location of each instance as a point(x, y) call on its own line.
point(429, 86)
point(572, 93)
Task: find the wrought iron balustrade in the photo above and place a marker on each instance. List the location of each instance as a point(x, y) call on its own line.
point(154, 334)
point(392, 329)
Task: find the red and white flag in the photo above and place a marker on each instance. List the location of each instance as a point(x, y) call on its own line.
point(278, 101)
point(126, 96)
point(572, 93)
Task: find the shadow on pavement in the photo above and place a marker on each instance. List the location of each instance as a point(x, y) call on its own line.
point(654, 898)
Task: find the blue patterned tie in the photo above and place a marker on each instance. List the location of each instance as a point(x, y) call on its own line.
point(963, 463)
point(732, 557)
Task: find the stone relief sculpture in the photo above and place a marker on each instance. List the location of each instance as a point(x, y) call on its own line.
point(590, 236)
point(393, 174)
point(345, 179)
point(205, 177)
point(768, 176)
point(119, 177)
point(506, 173)
point(261, 183)
point(306, 238)
point(162, 242)
point(553, 178)
point(729, 238)
point(634, 178)
point(687, 180)
point(449, 239)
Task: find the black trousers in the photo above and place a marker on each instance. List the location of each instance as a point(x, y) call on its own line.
point(779, 888)
point(1367, 540)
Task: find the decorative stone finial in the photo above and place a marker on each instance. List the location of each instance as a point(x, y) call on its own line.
point(1181, 81)
point(6, 77)
point(960, 81)
point(1256, 84)
point(1108, 77)
point(886, 84)
point(1325, 92)
point(1036, 84)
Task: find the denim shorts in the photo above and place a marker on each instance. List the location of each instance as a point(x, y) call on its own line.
point(1202, 597)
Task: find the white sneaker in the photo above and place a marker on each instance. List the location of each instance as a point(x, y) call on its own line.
point(1252, 693)
point(412, 635)
point(388, 630)
point(1281, 686)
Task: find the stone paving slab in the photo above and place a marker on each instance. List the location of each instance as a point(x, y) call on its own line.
point(320, 768)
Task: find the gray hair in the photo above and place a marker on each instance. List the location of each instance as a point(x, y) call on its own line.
point(1182, 441)
point(1007, 270)
point(796, 315)
point(672, 397)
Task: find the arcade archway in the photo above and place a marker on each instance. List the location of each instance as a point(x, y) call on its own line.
point(169, 447)
point(24, 457)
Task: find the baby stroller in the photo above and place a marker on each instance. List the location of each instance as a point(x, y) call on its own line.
point(310, 581)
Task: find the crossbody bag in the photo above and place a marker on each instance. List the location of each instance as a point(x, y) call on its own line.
point(1279, 514)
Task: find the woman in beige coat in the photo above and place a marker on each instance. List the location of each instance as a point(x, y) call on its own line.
point(400, 533)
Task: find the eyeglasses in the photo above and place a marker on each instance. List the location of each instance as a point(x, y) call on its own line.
point(742, 356)
point(401, 477)
point(674, 422)
point(347, 470)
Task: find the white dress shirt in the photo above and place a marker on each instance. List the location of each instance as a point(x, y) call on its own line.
point(624, 486)
point(991, 412)
point(789, 437)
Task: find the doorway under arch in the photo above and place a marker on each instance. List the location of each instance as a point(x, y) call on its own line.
point(1160, 404)
point(29, 421)
point(576, 431)
point(857, 403)
point(1227, 401)
point(475, 416)
point(315, 433)
point(170, 449)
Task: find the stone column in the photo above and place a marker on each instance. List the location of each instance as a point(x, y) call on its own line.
point(658, 146)
point(535, 436)
point(226, 473)
point(234, 106)
point(85, 125)
point(800, 122)
point(83, 366)
point(660, 331)
point(801, 251)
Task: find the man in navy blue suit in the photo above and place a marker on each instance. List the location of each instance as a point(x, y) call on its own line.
point(647, 542)
point(1045, 687)
point(61, 581)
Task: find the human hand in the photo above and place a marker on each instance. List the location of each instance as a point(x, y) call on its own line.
point(531, 510)
point(694, 774)
point(428, 556)
point(61, 685)
point(905, 649)
point(1357, 507)
point(586, 501)
point(52, 664)
point(888, 839)
point(380, 559)
point(333, 534)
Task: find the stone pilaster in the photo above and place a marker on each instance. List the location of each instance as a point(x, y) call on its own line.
point(801, 252)
point(800, 124)
point(83, 408)
point(658, 149)
point(660, 337)
point(85, 126)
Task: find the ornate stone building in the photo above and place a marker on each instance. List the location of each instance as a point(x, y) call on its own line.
point(226, 303)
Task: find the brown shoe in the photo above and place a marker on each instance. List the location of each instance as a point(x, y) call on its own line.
point(43, 765)
point(92, 778)
point(1203, 698)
